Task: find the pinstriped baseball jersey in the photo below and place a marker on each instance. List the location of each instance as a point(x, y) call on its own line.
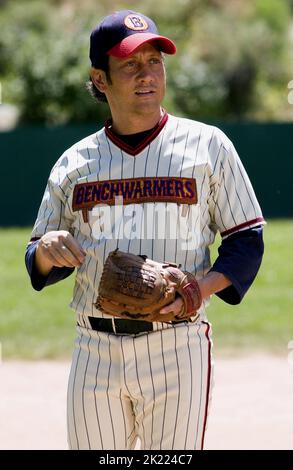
point(165, 199)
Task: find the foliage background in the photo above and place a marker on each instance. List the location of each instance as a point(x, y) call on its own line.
point(234, 59)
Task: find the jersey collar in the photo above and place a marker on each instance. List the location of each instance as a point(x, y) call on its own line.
point(145, 141)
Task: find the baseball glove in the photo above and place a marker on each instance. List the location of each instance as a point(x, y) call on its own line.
point(135, 287)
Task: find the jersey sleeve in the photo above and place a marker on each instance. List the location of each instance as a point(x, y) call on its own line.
point(240, 257)
point(233, 203)
point(38, 280)
point(51, 214)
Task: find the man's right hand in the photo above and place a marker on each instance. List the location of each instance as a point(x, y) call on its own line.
point(58, 248)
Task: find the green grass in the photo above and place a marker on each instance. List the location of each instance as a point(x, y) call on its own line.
point(263, 321)
point(35, 325)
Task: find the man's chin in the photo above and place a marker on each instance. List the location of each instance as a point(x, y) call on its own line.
point(148, 105)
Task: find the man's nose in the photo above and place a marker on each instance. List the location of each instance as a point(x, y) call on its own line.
point(145, 72)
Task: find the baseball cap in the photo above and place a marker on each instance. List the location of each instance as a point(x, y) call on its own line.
point(121, 33)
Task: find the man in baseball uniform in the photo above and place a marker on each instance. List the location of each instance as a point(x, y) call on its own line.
point(154, 184)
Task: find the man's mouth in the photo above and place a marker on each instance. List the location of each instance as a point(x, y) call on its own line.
point(144, 92)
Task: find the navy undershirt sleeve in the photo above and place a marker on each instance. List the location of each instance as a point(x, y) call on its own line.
point(38, 280)
point(239, 259)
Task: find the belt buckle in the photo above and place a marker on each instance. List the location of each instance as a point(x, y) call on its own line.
point(113, 325)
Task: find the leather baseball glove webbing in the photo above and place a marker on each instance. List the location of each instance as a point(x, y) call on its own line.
point(136, 287)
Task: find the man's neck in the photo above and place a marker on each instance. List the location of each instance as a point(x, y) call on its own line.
point(136, 124)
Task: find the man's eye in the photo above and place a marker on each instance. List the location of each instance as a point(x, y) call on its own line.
point(155, 60)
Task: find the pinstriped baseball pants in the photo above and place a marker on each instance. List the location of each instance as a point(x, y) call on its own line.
point(153, 386)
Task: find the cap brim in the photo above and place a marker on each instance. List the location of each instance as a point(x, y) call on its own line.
point(129, 44)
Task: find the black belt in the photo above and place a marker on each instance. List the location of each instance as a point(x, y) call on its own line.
point(120, 326)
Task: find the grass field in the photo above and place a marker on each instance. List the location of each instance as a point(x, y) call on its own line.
point(35, 325)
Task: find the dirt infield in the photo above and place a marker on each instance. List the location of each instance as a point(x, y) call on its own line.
point(252, 406)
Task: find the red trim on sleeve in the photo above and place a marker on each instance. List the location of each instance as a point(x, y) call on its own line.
point(147, 140)
point(208, 385)
point(241, 226)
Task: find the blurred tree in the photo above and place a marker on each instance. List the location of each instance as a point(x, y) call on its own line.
point(44, 62)
point(234, 57)
point(233, 61)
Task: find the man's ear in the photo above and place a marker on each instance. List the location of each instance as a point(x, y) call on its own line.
point(99, 79)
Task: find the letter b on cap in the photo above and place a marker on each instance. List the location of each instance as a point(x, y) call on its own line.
point(137, 23)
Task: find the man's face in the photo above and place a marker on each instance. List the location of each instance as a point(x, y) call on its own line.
point(137, 84)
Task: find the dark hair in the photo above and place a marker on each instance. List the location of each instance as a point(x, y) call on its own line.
point(94, 92)
point(91, 87)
